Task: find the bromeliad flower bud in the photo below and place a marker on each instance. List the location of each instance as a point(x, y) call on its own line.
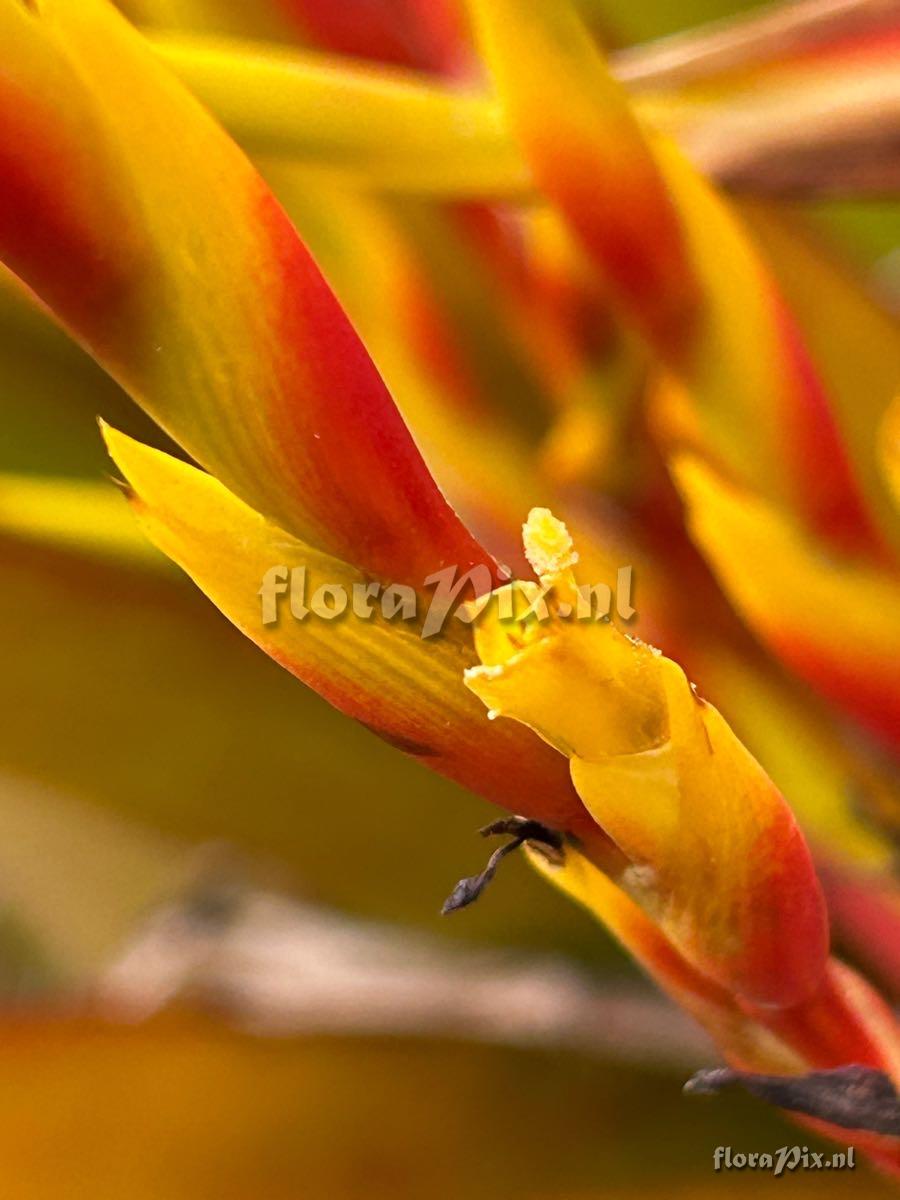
point(715, 856)
point(719, 901)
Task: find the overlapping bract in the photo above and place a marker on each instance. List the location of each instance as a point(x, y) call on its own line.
point(170, 260)
point(720, 899)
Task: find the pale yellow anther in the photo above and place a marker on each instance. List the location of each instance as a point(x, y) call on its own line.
point(548, 545)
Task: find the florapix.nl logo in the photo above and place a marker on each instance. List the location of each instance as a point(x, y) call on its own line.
point(462, 595)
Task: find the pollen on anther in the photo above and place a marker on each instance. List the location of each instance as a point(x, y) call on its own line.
point(548, 545)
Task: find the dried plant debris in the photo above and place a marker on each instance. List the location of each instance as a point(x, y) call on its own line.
point(853, 1097)
point(522, 830)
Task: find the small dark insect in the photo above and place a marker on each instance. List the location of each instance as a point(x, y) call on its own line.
point(522, 830)
point(853, 1097)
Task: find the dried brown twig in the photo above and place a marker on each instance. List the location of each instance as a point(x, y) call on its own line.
point(836, 134)
point(736, 43)
point(278, 967)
